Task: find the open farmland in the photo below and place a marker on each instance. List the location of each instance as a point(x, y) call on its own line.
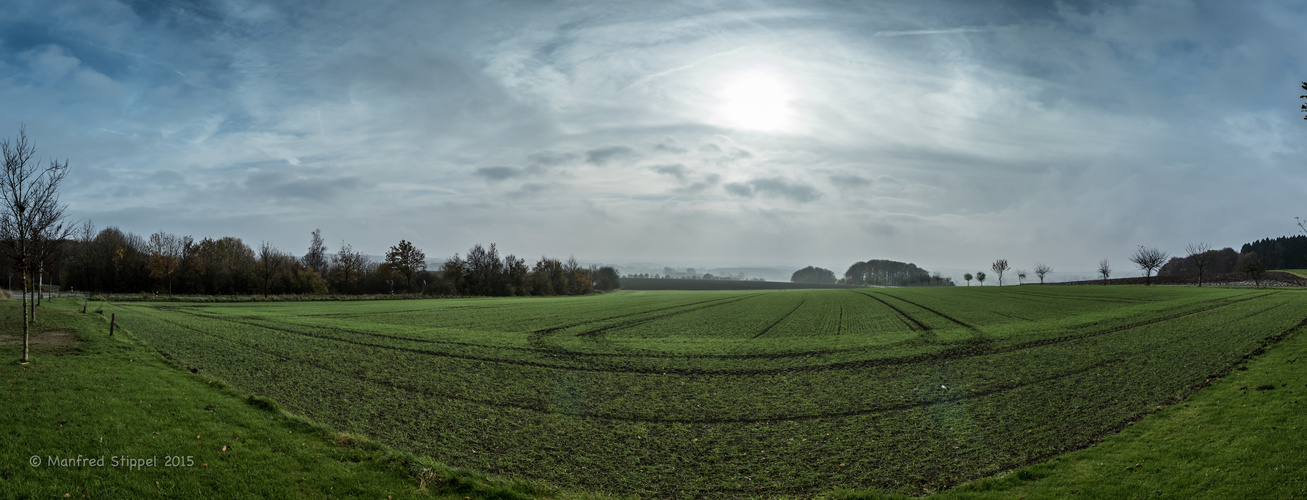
point(691, 394)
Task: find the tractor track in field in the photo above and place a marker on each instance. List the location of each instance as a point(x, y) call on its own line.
point(1077, 297)
point(839, 327)
point(905, 317)
point(1266, 310)
point(545, 409)
point(937, 313)
point(1012, 316)
point(641, 321)
point(777, 322)
point(578, 354)
point(332, 368)
point(552, 329)
point(956, 351)
point(1122, 366)
point(1130, 326)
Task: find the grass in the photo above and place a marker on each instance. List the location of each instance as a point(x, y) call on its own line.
point(693, 394)
point(773, 396)
point(115, 403)
point(1243, 436)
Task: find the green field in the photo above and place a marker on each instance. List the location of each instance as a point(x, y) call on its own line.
point(691, 394)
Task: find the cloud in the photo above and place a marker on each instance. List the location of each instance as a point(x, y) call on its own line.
point(738, 189)
point(677, 170)
point(550, 158)
point(494, 174)
point(50, 63)
point(784, 188)
point(845, 181)
point(946, 31)
point(603, 156)
point(670, 145)
point(700, 186)
point(315, 185)
point(1092, 123)
point(532, 189)
point(775, 187)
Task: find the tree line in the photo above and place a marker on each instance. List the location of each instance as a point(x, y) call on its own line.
point(1285, 252)
point(113, 261)
point(880, 272)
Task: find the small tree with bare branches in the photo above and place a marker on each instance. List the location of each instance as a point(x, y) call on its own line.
point(1148, 259)
point(31, 217)
point(1104, 270)
point(1201, 254)
point(999, 266)
point(1042, 270)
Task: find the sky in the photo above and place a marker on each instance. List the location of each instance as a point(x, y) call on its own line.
point(948, 134)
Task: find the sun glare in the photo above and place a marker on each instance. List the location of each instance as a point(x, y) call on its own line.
point(756, 100)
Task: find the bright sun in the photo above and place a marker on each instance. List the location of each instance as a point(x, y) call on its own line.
point(756, 100)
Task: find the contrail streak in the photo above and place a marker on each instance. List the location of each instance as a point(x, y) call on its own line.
point(948, 31)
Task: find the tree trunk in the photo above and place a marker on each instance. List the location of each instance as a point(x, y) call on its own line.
point(31, 304)
point(26, 332)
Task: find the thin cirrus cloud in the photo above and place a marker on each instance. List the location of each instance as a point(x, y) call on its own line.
point(1061, 132)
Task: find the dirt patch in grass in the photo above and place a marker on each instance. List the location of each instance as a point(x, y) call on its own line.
point(47, 340)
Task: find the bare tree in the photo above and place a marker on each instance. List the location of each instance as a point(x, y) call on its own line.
point(968, 277)
point(85, 258)
point(270, 265)
point(1148, 259)
point(165, 256)
point(999, 266)
point(1021, 276)
point(31, 218)
point(1104, 270)
point(1201, 254)
point(1042, 270)
point(316, 258)
point(980, 276)
point(347, 268)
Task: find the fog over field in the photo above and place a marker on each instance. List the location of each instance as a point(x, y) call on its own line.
point(733, 134)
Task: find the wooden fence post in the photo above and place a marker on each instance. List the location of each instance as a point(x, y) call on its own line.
point(83, 306)
point(111, 321)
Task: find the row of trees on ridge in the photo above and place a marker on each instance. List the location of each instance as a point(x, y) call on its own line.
point(114, 261)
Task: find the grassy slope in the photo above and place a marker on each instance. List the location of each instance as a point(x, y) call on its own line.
point(1229, 440)
point(113, 396)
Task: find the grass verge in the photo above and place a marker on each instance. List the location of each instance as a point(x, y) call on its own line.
point(99, 416)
